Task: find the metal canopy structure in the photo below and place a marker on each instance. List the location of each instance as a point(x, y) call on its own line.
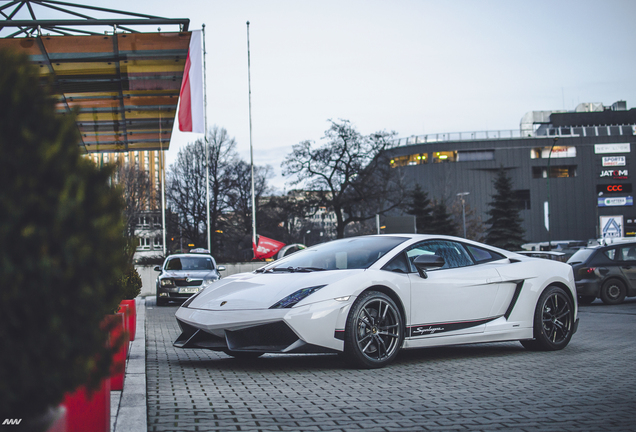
point(122, 83)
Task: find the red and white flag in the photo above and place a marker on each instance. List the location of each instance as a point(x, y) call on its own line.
point(266, 247)
point(191, 118)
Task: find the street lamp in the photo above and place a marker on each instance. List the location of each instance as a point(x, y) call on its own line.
point(461, 196)
point(554, 141)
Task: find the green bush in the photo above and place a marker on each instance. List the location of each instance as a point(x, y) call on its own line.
point(130, 283)
point(61, 232)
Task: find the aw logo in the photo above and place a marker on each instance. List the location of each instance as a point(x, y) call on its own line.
point(11, 422)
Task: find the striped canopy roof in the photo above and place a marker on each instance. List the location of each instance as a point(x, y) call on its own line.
point(123, 86)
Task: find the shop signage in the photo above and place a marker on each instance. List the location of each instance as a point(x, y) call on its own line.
point(611, 226)
point(614, 188)
point(615, 201)
point(614, 174)
point(611, 148)
point(614, 160)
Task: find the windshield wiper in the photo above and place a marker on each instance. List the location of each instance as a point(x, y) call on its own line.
point(295, 269)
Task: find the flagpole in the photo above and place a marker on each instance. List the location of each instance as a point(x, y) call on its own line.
point(163, 188)
point(205, 137)
point(249, 86)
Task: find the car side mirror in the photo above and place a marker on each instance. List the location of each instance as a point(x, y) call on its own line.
point(221, 268)
point(158, 268)
point(426, 262)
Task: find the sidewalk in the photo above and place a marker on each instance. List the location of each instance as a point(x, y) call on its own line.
point(128, 410)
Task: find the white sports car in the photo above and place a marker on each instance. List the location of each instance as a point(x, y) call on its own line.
point(367, 297)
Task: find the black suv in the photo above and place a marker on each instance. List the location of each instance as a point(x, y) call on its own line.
point(608, 272)
point(184, 275)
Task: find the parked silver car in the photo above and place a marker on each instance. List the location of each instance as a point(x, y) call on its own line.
point(183, 275)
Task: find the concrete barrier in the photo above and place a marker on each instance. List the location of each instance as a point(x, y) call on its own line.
point(149, 275)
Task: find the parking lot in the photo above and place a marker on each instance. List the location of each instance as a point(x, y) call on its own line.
point(589, 386)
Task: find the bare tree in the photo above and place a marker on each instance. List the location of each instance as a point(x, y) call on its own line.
point(352, 170)
point(138, 192)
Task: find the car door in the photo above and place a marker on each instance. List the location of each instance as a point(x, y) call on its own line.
point(626, 258)
point(457, 298)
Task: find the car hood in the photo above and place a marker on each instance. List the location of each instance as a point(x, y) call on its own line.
point(261, 290)
point(194, 274)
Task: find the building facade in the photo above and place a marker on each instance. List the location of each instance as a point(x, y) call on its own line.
point(570, 170)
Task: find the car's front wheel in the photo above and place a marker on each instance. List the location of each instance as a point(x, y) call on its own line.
point(374, 331)
point(553, 321)
point(613, 292)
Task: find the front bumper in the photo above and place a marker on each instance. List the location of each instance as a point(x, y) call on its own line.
point(310, 328)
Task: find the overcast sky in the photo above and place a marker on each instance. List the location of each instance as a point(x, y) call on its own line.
point(413, 67)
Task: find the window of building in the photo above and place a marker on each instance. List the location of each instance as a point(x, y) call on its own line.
point(475, 155)
point(444, 156)
point(557, 152)
point(413, 159)
point(555, 171)
point(156, 221)
point(144, 244)
point(158, 243)
point(523, 198)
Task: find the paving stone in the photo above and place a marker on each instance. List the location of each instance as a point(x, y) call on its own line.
point(589, 386)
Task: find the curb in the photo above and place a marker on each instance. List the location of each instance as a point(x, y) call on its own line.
point(128, 407)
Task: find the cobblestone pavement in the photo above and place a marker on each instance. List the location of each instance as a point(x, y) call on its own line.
point(589, 386)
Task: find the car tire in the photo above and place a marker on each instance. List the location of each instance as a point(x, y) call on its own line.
point(374, 331)
point(586, 300)
point(613, 292)
point(553, 321)
point(243, 355)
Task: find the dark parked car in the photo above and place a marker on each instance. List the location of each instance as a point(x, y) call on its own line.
point(183, 275)
point(608, 272)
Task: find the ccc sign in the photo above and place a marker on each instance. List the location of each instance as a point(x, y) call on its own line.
point(614, 188)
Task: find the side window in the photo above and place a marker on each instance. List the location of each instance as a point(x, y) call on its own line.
point(453, 253)
point(611, 254)
point(627, 253)
point(481, 255)
point(397, 264)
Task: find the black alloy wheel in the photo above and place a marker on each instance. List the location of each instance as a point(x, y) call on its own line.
point(553, 321)
point(374, 331)
point(613, 292)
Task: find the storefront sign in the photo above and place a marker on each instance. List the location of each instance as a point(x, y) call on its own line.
point(611, 226)
point(615, 201)
point(614, 160)
point(614, 188)
point(614, 174)
point(611, 148)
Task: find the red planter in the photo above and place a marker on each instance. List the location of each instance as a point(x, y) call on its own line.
point(131, 317)
point(118, 330)
point(88, 411)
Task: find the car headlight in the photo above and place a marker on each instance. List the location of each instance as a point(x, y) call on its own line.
point(293, 299)
point(208, 281)
point(167, 283)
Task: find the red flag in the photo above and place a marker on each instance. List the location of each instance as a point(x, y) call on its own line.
point(191, 117)
point(267, 247)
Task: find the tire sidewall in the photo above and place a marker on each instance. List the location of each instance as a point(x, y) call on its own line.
point(352, 354)
point(612, 300)
point(543, 342)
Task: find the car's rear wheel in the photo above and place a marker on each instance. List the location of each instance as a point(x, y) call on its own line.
point(553, 321)
point(586, 299)
point(374, 331)
point(613, 292)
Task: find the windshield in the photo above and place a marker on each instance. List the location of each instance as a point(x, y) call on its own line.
point(190, 263)
point(581, 255)
point(350, 253)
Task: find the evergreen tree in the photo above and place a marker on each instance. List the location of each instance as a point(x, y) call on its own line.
point(419, 206)
point(505, 230)
point(442, 220)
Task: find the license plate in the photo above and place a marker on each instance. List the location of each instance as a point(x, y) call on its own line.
point(188, 290)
